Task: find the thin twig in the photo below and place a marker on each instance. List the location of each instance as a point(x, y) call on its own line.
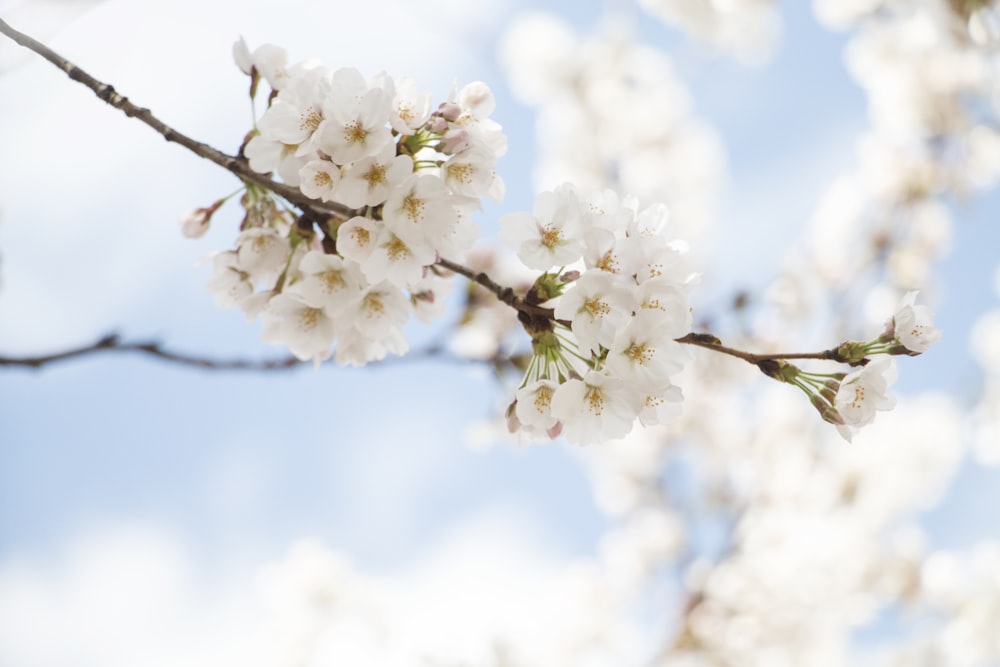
point(710, 342)
point(112, 343)
point(503, 294)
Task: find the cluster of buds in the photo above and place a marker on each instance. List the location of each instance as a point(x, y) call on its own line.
point(850, 400)
point(408, 179)
point(619, 289)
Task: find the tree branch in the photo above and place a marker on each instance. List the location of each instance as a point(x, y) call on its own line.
point(112, 343)
point(312, 210)
point(236, 165)
point(710, 342)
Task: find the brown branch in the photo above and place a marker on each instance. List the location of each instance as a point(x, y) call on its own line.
point(112, 343)
point(312, 210)
point(236, 165)
point(710, 342)
point(504, 294)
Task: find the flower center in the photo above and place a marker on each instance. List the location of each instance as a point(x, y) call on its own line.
point(309, 318)
point(640, 354)
point(551, 237)
point(414, 209)
point(595, 401)
point(375, 175)
point(332, 280)
point(354, 133)
point(397, 250)
point(310, 120)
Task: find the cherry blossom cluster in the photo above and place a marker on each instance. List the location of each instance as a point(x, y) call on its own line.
point(850, 400)
point(404, 177)
point(619, 288)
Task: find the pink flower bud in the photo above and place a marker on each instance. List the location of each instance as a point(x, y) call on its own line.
point(449, 111)
point(436, 124)
point(454, 140)
point(196, 223)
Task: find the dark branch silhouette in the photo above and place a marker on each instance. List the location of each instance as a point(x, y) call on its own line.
point(112, 343)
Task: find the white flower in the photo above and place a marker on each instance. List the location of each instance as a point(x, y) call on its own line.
point(645, 355)
point(470, 173)
point(598, 305)
point(392, 259)
point(355, 348)
point(421, 211)
point(267, 154)
point(913, 325)
point(328, 282)
point(593, 409)
point(307, 331)
point(476, 103)
point(533, 405)
point(318, 179)
point(426, 296)
point(297, 113)
point(863, 392)
point(369, 181)
point(550, 236)
point(659, 407)
point(356, 118)
point(664, 305)
point(410, 108)
point(381, 309)
point(263, 254)
point(268, 59)
point(242, 57)
point(356, 238)
point(229, 284)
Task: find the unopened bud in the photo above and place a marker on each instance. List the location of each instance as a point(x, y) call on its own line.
point(449, 111)
point(829, 391)
point(436, 124)
point(852, 352)
point(513, 423)
point(454, 140)
point(195, 224)
point(826, 411)
point(570, 276)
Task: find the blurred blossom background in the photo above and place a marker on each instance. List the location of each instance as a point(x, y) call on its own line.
point(822, 159)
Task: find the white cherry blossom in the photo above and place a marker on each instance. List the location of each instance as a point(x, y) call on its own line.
point(421, 210)
point(913, 326)
point(319, 179)
point(229, 284)
point(410, 108)
point(593, 409)
point(552, 235)
point(328, 282)
point(306, 330)
point(357, 116)
point(863, 392)
point(533, 406)
point(369, 181)
point(598, 304)
point(263, 254)
point(645, 355)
